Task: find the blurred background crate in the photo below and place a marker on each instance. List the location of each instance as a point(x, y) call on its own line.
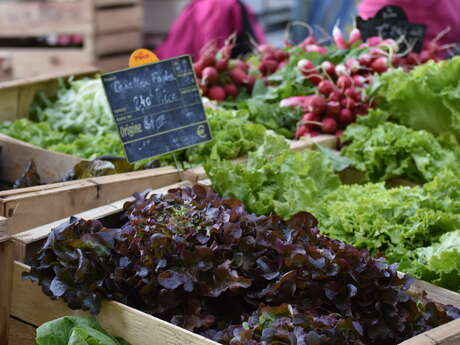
point(100, 33)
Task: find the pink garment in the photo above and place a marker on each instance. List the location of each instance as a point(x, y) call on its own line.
point(203, 21)
point(436, 14)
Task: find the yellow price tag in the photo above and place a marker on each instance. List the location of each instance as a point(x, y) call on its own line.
point(142, 57)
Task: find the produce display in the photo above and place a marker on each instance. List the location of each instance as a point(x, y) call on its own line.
point(74, 330)
point(204, 263)
point(283, 247)
point(383, 150)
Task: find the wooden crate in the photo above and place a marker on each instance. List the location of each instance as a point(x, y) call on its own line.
point(17, 96)
point(112, 29)
point(198, 173)
point(6, 267)
point(29, 306)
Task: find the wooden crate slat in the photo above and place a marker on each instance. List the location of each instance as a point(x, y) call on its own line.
point(113, 63)
point(6, 271)
point(25, 211)
point(448, 334)
point(21, 333)
point(31, 305)
point(36, 18)
point(104, 3)
point(119, 19)
point(118, 42)
point(28, 62)
point(51, 166)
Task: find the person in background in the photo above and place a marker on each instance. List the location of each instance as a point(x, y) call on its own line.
point(321, 16)
point(438, 15)
point(205, 21)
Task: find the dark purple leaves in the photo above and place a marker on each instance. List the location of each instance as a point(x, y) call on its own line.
point(203, 263)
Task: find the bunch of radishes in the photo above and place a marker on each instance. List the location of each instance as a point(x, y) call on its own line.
point(340, 89)
point(220, 77)
point(272, 59)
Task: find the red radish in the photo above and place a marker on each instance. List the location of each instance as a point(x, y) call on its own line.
point(198, 66)
point(326, 87)
point(305, 66)
point(358, 80)
point(413, 58)
point(312, 134)
point(317, 104)
point(346, 116)
point(376, 52)
point(309, 117)
point(221, 65)
point(425, 56)
point(365, 60)
point(266, 49)
point(333, 108)
point(348, 103)
point(329, 125)
point(338, 38)
point(315, 79)
point(301, 131)
point(336, 96)
point(77, 39)
point(241, 65)
point(309, 40)
point(344, 82)
point(268, 66)
point(315, 49)
point(355, 36)
point(297, 101)
point(338, 134)
point(238, 76)
point(217, 93)
point(374, 41)
point(363, 109)
point(341, 70)
point(353, 94)
point(208, 60)
point(328, 67)
point(210, 75)
point(353, 65)
point(380, 65)
point(281, 55)
point(231, 90)
point(251, 82)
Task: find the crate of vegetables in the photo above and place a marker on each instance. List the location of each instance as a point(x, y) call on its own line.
point(186, 266)
point(65, 34)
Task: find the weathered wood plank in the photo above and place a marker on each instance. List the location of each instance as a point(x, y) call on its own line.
point(31, 305)
point(6, 271)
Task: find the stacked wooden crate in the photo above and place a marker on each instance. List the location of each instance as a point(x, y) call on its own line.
point(111, 30)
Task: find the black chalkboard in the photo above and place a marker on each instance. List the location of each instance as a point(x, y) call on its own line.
point(157, 108)
point(392, 22)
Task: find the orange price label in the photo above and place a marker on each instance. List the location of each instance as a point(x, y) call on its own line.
point(142, 57)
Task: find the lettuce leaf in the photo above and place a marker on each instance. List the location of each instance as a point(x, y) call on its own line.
point(426, 98)
point(383, 150)
point(276, 179)
point(74, 330)
point(441, 262)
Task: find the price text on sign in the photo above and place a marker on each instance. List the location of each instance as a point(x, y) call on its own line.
point(157, 108)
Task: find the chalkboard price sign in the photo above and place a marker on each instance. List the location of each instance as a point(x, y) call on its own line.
point(157, 108)
point(392, 22)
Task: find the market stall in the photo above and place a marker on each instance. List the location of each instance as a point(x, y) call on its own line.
point(314, 199)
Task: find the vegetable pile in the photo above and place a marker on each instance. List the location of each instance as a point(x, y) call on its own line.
point(202, 262)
